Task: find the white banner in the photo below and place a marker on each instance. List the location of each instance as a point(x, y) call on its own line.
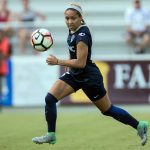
point(32, 78)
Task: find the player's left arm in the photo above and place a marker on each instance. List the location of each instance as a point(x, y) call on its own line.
point(79, 62)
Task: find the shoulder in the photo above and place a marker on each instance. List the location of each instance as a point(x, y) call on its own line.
point(84, 35)
point(84, 30)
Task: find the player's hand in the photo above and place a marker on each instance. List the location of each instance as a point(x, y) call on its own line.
point(51, 60)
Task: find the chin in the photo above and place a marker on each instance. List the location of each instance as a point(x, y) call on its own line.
point(72, 29)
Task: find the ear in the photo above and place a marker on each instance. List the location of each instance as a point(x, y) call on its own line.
point(81, 19)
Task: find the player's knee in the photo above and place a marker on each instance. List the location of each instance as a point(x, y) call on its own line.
point(50, 99)
point(108, 112)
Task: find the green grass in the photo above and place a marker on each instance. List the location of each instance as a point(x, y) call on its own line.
point(77, 129)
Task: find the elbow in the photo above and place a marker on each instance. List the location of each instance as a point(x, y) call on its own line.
point(79, 64)
point(82, 66)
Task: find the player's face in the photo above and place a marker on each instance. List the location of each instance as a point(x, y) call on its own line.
point(73, 20)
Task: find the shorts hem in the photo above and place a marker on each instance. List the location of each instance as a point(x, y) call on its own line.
point(98, 98)
point(75, 89)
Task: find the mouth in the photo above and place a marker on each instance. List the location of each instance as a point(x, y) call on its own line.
point(70, 26)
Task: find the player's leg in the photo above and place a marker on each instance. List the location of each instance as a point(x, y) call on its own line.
point(105, 106)
point(100, 98)
point(97, 94)
point(58, 91)
point(61, 88)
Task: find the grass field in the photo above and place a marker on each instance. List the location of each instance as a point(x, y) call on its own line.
point(77, 129)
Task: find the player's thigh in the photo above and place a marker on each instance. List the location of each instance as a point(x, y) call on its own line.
point(99, 97)
point(94, 87)
point(61, 89)
point(103, 104)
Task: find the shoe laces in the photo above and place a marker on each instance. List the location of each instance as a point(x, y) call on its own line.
point(46, 136)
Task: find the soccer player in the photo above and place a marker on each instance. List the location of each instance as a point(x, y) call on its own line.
point(83, 74)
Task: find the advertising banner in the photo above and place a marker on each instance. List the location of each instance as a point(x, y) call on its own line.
point(127, 82)
point(32, 79)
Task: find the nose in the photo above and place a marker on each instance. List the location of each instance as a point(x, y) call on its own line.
point(70, 21)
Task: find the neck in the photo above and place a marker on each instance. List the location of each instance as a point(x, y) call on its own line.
point(77, 29)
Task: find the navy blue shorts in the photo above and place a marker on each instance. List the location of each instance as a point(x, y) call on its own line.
point(92, 85)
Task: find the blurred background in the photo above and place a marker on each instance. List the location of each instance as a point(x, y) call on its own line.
point(126, 73)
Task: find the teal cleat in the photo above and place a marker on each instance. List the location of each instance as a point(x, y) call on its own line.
point(142, 131)
point(49, 138)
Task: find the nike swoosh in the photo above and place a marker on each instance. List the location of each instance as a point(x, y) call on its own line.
point(37, 37)
point(96, 96)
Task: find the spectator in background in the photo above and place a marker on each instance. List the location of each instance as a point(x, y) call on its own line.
point(5, 52)
point(27, 15)
point(5, 16)
point(137, 18)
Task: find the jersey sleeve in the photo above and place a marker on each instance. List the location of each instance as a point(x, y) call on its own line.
point(83, 37)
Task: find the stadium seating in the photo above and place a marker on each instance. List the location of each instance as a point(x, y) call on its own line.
point(104, 17)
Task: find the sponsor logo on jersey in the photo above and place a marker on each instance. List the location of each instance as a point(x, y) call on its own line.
point(71, 48)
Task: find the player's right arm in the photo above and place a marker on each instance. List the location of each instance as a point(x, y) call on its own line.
point(79, 62)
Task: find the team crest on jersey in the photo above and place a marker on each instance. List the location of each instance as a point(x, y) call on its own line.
point(71, 48)
point(72, 38)
point(82, 34)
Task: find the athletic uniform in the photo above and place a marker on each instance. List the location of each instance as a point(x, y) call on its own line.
point(89, 79)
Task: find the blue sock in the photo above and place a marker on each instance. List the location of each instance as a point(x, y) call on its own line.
point(51, 112)
point(122, 116)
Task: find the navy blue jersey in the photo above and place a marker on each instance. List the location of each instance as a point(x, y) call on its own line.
point(82, 34)
point(89, 78)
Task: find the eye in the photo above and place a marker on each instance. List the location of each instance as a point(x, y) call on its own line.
point(67, 18)
point(73, 18)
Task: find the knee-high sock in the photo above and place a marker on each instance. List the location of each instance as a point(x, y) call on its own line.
point(51, 112)
point(122, 116)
